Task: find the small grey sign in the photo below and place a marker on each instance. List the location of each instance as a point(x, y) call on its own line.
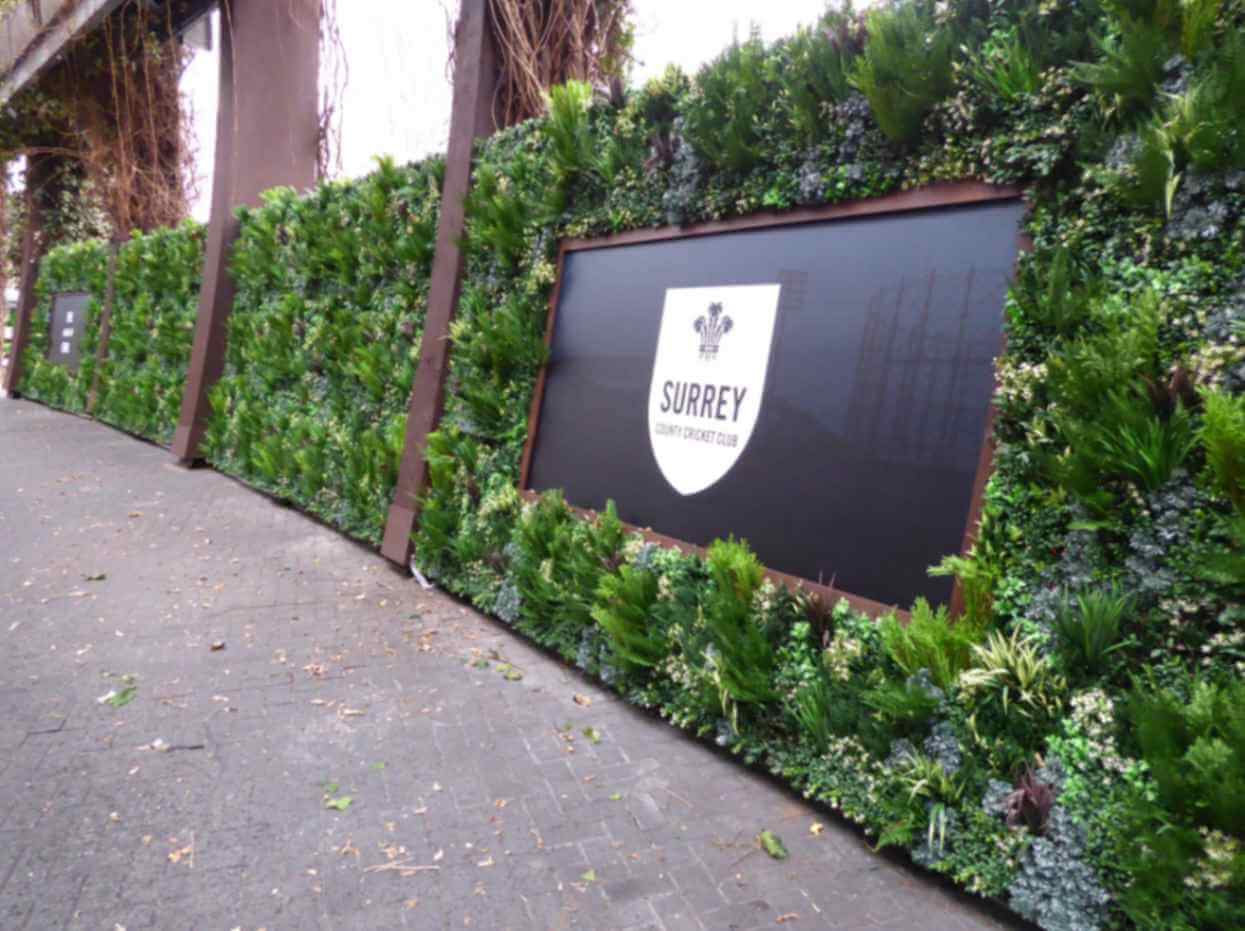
point(65, 329)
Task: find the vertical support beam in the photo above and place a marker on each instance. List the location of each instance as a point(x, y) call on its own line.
point(475, 81)
point(267, 134)
point(38, 176)
point(105, 324)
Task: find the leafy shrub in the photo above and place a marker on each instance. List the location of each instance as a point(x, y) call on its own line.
point(1053, 294)
point(905, 68)
point(723, 113)
point(1223, 436)
point(930, 641)
point(1089, 625)
point(153, 323)
point(743, 658)
point(817, 70)
point(626, 608)
point(1187, 858)
point(1005, 66)
point(560, 563)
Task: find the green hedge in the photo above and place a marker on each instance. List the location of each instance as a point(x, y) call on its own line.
point(72, 267)
point(153, 321)
point(1075, 744)
point(324, 341)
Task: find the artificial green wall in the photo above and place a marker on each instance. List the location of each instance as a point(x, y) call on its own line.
point(1074, 744)
point(324, 340)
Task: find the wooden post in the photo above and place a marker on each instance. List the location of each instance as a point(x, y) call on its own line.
point(38, 176)
point(475, 82)
point(105, 324)
point(267, 134)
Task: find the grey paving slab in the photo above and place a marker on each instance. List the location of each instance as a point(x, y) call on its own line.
point(200, 802)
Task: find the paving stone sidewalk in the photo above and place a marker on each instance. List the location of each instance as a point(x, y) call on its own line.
point(196, 796)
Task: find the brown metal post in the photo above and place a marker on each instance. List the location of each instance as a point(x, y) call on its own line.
point(475, 81)
point(38, 176)
point(267, 134)
point(105, 324)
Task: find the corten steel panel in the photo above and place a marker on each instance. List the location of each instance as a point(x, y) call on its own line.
point(475, 79)
point(65, 326)
point(861, 469)
point(267, 134)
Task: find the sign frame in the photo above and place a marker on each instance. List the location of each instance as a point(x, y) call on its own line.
point(930, 197)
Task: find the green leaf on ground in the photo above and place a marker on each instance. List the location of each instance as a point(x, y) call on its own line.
point(772, 844)
point(339, 804)
point(509, 672)
point(378, 766)
point(592, 734)
point(616, 797)
point(124, 697)
point(589, 877)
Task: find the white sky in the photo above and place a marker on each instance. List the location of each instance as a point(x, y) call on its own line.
point(396, 100)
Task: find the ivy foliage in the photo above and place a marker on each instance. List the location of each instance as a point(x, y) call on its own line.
point(324, 340)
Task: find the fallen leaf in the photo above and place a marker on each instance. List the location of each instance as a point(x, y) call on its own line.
point(217, 646)
point(816, 828)
point(339, 804)
point(772, 844)
point(180, 854)
point(592, 734)
point(590, 876)
point(616, 797)
point(583, 700)
point(95, 577)
point(790, 916)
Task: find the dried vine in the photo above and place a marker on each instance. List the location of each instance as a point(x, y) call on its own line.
point(542, 43)
point(111, 109)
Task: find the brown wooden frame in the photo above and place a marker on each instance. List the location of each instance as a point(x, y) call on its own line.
point(937, 196)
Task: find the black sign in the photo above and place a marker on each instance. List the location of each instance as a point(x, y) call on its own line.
point(65, 328)
point(819, 390)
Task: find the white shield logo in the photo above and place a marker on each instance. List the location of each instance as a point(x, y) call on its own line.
point(708, 380)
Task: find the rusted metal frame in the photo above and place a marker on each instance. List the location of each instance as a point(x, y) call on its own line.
point(943, 194)
point(267, 134)
point(38, 175)
point(105, 325)
point(936, 196)
point(472, 118)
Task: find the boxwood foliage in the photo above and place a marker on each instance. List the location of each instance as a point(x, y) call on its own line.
point(73, 267)
point(153, 321)
point(1073, 745)
point(324, 340)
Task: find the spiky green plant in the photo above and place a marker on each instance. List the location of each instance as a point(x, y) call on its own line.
point(1223, 437)
point(624, 608)
point(1089, 624)
point(906, 67)
point(930, 641)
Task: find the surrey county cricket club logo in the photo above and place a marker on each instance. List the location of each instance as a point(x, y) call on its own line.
point(713, 350)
